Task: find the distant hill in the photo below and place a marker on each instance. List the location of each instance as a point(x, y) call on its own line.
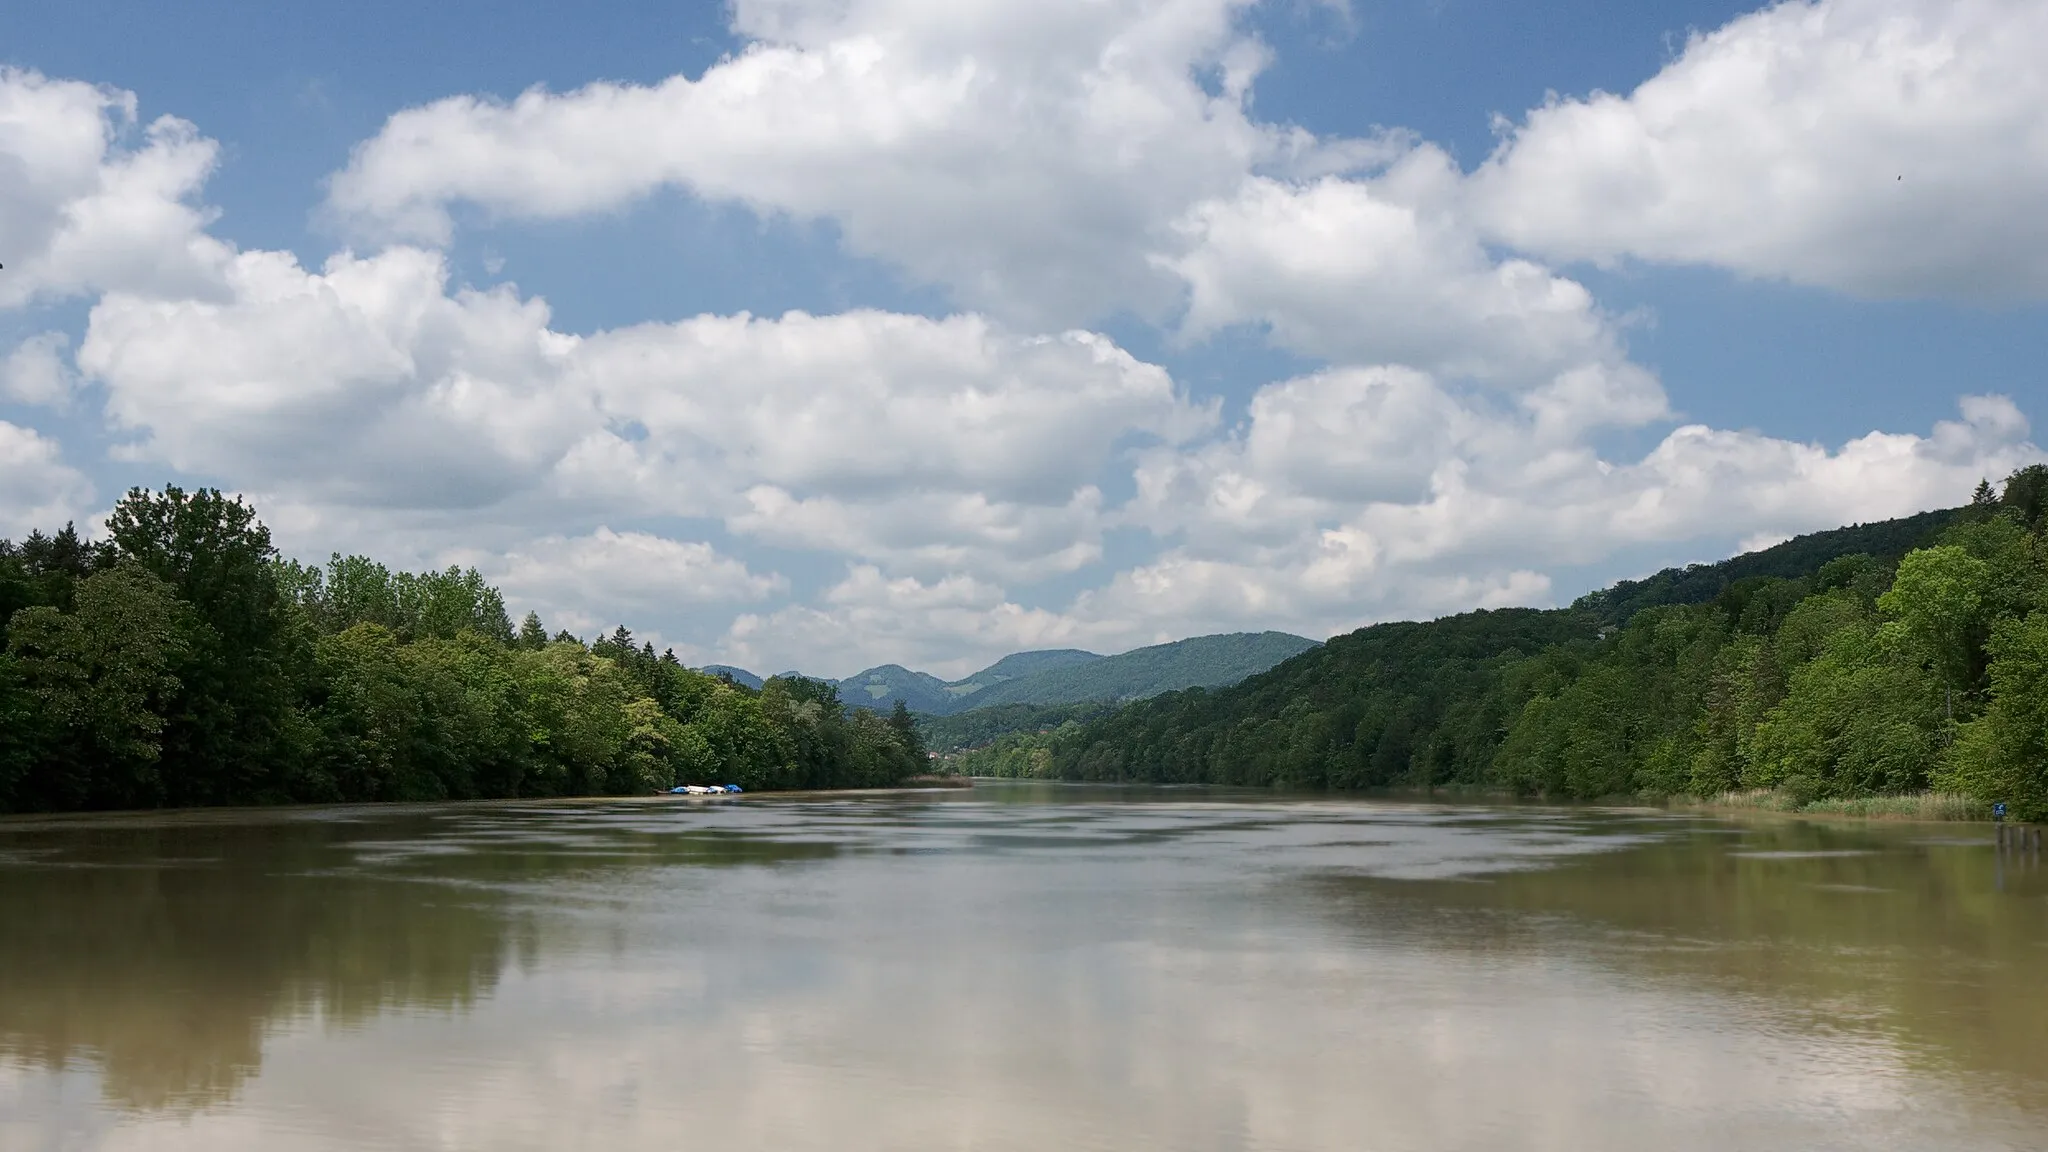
point(1199, 662)
point(1064, 675)
point(1013, 667)
point(880, 688)
point(738, 675)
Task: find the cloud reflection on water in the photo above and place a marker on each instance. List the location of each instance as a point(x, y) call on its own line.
point(969, 973)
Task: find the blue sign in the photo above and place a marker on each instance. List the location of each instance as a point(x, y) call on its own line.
point(1998, 811)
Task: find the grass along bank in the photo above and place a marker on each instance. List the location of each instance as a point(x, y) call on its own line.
point(1919, 806)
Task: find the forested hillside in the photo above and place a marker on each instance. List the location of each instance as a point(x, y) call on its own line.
point(1815, 668)
point(180, 661)
point(1200, 661)
point(882, 686)
point(979, 727)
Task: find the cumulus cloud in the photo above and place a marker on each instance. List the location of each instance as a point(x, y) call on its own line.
point(1894, 148)
point(36, 371)
point(572, 579)
point(1265, 540)
point(935, 532)
point(949, 627)
point(366, 382)
point(90, 202)
point(37, 489)
point(1046, 164)
point(943, 445)
point(870, 402)
point(1027, 156)
point(1386, 270)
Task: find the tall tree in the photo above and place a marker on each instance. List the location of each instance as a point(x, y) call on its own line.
point(226, 735)
point(99, 677)
point(533, 635)
point(905, 727)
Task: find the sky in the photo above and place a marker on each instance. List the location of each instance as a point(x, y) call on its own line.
point(831, 333)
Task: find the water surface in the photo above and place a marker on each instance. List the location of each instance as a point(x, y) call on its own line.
point(1016, 967)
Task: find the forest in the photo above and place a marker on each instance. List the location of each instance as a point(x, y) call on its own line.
point(1881, 660)
point(181, 661)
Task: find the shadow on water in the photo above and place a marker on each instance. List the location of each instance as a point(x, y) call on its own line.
point(1924, 933)
point(165, 949)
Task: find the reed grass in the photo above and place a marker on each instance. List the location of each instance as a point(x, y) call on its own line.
point(1927, 806)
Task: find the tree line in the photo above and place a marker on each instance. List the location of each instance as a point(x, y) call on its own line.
point(181, 661)
point(1844, 674)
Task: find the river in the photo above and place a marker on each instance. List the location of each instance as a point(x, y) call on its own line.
point(1016, 966)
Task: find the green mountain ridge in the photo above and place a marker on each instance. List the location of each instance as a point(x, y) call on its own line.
point(1869, 660)
point(1060, 676)
point(880, 687)
point(1197, 662)
point(1020, 664)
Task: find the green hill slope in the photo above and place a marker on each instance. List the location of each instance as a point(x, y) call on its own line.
point(1699, 583)
point(1199, 662)
point(1015, 666)
point(879, 688)
point(1829, 665)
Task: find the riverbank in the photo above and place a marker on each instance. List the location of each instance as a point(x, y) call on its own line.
point(1922, 806)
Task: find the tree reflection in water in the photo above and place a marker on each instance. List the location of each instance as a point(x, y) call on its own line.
point(164, 949)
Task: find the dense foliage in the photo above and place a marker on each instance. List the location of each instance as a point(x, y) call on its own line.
point(1828, 675)
point(180, 661)
point(981, 727)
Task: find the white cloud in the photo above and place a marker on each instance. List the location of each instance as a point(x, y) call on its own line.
point(36, 372)
point(1045, 163)
point(948, 627)
point(1894, 148)
point(365, 382)
point(1269, 543)
point(1381, 271)
point(85, 206)
point(1024, 155)
point(632, 574)
point(1265, 541)
point(935, 533)
point(37, 489)
point(942, 445)
point(868, 403)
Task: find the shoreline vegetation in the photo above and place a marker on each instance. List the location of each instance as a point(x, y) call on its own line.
point(181, 662)
point(1896, 670)
point(1921, 807)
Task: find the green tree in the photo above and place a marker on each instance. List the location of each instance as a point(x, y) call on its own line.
point(2003, 754)
point(1938, 595)
point(98, 678)
point(1862, 718)
point(905, 727)
point(533, 635)
point(2026, 494)
point(225, 738)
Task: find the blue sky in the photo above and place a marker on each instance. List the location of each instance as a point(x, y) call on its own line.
point(1102, 345)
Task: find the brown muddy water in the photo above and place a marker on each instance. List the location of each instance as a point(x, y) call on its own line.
point(1017, 967)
